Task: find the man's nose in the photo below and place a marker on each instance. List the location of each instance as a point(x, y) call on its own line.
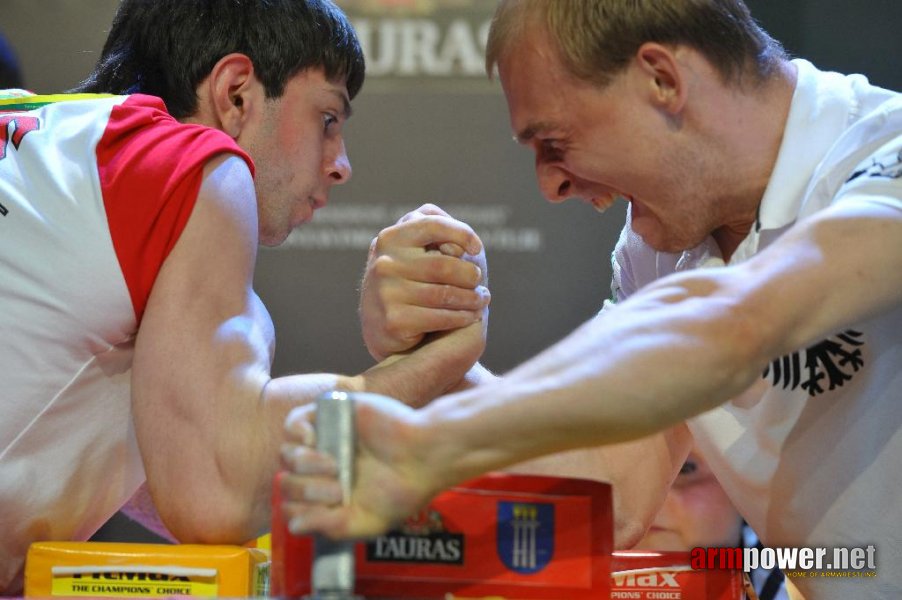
point(555, 183)
point(339, 169)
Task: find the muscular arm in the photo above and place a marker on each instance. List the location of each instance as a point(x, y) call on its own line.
point(623, 376)
point(208, 417)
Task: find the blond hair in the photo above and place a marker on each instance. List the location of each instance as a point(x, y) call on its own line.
point(596, 39)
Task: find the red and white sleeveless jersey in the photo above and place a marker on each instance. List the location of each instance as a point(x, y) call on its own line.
point(94, 193)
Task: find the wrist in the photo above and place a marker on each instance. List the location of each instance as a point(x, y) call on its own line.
point(453, 445)
point(347, 383)
point(477, 375)
point(435, 451)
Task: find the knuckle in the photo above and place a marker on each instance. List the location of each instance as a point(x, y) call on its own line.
point(474, 274)
point(379, 242)
point(382, 265)
point(384, 294)
point(430, 208)
point(394, 328)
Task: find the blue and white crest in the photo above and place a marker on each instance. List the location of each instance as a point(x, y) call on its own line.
point(525, 535)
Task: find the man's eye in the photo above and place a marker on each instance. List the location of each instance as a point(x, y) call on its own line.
point(329, 120)
point(689, 467)
point(551, 150)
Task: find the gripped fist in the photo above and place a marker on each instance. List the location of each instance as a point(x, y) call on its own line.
point(427, 273)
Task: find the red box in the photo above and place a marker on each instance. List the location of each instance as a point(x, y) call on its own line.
point(514, 536)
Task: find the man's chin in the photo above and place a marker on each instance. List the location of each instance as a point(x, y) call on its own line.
point(654, 240)
point(273, 239)
point(658, 240)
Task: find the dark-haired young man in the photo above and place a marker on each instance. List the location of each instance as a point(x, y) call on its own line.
point(758, 288)
point(133, 345)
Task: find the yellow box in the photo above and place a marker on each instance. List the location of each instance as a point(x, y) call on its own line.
point(144, 570)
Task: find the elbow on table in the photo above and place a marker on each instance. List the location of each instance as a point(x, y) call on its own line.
point(210, 517)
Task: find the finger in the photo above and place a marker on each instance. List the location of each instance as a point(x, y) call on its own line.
point(425, 268)
point(303, 460)
point(304, 519)
point(430, 230)
point(420, 321)
point(439, 268)
point(397, 299)
point(310, 490)
point(433, 267)
point(299, 425)
point(428, 295)
point(449, 249)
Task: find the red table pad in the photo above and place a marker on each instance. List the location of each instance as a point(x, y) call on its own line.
point(502, 535)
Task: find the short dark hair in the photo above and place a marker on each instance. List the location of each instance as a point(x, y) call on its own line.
point(166, 48)
point(10, 73)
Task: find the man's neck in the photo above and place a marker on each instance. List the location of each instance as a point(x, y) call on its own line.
point(750, 154)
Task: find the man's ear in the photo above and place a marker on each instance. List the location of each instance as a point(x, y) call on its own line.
point(235, 92)
point(664, 76)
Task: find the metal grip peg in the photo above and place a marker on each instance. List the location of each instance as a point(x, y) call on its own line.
point(332, 576)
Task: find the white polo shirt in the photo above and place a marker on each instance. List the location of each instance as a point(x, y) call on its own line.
point(811, 454)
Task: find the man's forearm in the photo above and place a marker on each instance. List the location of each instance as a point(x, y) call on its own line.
point(617, 378)
point(434, 368)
